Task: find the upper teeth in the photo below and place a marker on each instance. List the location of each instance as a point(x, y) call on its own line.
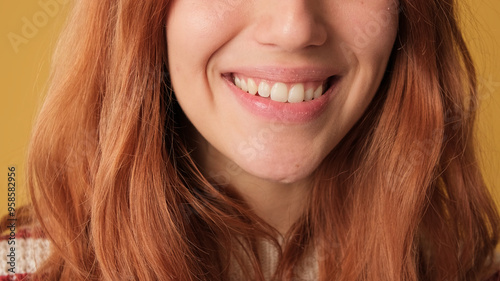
point(279, 91)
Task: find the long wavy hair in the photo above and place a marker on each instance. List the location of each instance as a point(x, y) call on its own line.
point(114, 187)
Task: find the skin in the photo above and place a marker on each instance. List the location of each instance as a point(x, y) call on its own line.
point(270, 162)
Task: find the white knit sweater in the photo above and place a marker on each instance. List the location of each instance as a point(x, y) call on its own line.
point(305, 271)
point(32, 250)
point(22, 254)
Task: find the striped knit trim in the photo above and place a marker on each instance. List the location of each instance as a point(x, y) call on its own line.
point(25, 233)
point(14, 277)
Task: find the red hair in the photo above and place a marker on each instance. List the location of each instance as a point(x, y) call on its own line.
point(113, 185)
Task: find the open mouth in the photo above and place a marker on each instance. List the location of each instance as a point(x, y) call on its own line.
point(281, 91)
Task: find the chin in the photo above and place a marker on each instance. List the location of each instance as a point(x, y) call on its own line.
point(284, 172)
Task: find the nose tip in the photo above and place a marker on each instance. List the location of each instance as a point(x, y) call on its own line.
point(290, 25)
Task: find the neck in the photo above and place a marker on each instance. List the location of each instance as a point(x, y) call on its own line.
point(278, 204)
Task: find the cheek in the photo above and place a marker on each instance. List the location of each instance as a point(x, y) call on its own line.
point(370, 30)
point(366, 34)
point(196, 29)
point(367, 41)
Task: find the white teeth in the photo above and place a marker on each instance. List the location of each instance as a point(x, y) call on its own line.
point(309, 94)
point(318, 92)
point(264, 89)
point(244, 86)
point(296, 93)
point(279, 92)
point(252, 87)
point(237, 82)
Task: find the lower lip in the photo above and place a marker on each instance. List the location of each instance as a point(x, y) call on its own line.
point(283, 112)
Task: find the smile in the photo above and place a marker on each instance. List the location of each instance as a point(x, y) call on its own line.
point(285, 96)
point(281, 91)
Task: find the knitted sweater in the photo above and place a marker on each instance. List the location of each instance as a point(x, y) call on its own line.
point(23, 256)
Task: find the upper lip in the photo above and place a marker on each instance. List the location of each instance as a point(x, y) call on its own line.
point(285, 74)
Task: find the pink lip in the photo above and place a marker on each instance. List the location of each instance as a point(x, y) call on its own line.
point(302, 112)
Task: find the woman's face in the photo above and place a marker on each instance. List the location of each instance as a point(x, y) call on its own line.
point(273, 86)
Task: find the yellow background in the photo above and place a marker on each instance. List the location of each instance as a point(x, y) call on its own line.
point(24, 73)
